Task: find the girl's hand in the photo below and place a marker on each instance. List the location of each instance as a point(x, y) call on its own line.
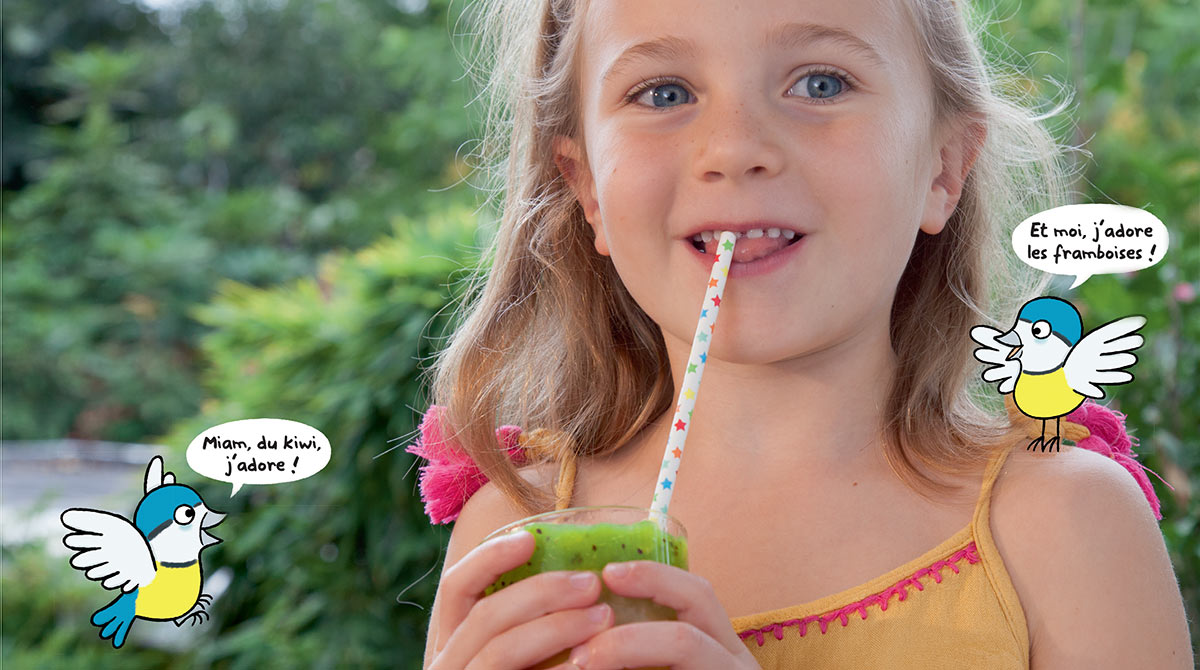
point(520, 625)
point(702, 638)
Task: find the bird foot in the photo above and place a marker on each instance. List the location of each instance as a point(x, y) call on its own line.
point(1051, 444)
point(1037, 442)
point(196, 615)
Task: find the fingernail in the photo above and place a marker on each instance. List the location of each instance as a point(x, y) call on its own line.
point(580, 656)
point(583, 580)
point(598, 613)
point(617, 569)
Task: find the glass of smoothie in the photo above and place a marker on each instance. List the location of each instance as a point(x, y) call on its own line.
point(588, 538)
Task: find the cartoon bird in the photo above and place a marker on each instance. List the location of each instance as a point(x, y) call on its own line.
point(1043, 361)
point(154, 561)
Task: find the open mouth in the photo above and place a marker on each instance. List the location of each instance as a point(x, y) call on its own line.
point(751, 245)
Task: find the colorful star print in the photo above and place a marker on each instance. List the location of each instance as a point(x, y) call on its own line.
point(691, 379)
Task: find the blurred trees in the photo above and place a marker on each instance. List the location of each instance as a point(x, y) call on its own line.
point(244, 208)
point(148, 161)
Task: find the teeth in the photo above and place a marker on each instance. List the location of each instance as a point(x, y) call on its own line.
point(753, 233)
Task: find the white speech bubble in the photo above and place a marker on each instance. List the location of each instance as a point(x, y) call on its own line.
point(258, 451)
point(1086, 240)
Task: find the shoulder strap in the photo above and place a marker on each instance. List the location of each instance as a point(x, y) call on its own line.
point(992, 472)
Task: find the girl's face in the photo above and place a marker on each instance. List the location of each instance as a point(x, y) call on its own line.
point(808, 115)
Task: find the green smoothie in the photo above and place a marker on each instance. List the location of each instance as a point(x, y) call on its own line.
point(566, 546)
point(569, 546)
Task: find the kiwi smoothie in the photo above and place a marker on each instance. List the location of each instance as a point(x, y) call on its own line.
point(588, 538)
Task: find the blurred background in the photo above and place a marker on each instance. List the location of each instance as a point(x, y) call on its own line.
point(226, 209)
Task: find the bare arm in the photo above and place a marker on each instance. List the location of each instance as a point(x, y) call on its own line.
point(1090, 566)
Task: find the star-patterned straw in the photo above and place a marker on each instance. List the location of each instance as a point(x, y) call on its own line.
point(691, 378)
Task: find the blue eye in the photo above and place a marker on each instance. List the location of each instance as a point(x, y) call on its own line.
point(821, 85)
point(667, 92)
point(662, 95)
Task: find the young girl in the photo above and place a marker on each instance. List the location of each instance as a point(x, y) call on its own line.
point(847, 503)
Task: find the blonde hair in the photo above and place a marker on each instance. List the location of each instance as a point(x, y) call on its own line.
point(552, 340)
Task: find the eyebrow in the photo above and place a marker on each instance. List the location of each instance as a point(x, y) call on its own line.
point(785, 36)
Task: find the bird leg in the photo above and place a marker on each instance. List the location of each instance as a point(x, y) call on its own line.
point(1053, 443)
point(198, 613)
point(1039, 441)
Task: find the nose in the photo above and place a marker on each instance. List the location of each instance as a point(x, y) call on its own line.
point(736, 143)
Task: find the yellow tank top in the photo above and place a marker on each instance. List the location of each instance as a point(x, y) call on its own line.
point(953, 606)
point(171, 593)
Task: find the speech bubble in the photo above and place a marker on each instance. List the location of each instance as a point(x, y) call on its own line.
point(258, 451)
point(1092, 239)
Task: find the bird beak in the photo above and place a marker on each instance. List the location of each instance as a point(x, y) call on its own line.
point(1013, 340)
point(211, 519)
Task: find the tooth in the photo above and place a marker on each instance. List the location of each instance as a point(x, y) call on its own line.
point(754, 233)
point(707, 236)
point(788, 234)
point(772, 233)
point(741, 236)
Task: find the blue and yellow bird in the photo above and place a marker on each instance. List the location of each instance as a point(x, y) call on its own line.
point(154, 561)
point(1049, 366)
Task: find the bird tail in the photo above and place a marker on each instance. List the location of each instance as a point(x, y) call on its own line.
point(115, 618)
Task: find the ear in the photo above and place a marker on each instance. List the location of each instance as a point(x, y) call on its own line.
point(957, 150)
point(569, 159)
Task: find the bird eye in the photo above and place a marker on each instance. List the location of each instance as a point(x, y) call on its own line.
point(1041, 330)
point(184, 514)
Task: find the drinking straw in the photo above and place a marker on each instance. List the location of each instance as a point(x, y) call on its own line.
point(691, 378)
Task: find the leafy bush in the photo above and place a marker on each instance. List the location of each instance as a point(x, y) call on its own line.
point(319, 564)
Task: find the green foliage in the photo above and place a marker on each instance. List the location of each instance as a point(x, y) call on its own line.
point(319, 564)
point(45, 617)
point(100, 261)
point(1136, 80)
point(239, 142)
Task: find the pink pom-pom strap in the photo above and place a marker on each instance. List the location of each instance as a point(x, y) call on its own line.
point(1109, 437)
point(451, 477)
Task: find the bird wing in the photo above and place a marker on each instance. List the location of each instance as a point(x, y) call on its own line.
point(1100, 356)
point(109, 549)
point(995, 355)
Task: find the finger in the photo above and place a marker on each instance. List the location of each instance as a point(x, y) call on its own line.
point(514, 606)
point(690, 595)
point(464, 582)
point(674, 644)
point(540, 639)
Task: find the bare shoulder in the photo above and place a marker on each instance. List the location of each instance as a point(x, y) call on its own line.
point(489, 509)
point(1089, 564)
